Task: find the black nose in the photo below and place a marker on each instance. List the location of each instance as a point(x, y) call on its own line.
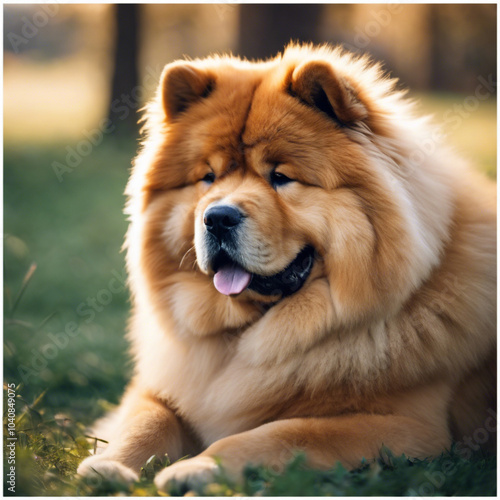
point(221, 219)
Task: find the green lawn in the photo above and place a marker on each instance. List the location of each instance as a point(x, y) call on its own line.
point(65, 319)
point(469, 124)
point(72, 230)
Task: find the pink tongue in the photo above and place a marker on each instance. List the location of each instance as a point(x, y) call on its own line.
point(231, 279)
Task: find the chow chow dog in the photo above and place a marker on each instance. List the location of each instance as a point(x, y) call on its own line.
point(311, 270)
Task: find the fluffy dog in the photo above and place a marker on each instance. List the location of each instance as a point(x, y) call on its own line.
point(310, 270)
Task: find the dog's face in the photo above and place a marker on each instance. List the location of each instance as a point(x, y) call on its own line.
point(261, 176)
point(268, 181)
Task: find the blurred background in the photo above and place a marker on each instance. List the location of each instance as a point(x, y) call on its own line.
point(66, 64)
point(75, 77)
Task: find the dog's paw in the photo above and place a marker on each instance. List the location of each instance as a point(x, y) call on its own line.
point(107, 469)
point(193, 473)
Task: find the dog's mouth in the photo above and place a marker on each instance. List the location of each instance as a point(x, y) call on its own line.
point(232, 279)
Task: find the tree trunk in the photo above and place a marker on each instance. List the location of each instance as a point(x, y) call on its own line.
point(266, 28)
point(125, 93)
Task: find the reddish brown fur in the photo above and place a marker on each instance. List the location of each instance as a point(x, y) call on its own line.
point(391, 341)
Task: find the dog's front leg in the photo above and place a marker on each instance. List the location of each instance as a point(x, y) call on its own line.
point(143, 426)
point(325, 441)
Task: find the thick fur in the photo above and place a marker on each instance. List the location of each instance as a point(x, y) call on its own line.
point(391, 340)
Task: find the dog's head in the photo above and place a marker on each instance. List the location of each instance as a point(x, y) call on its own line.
point(257, 177)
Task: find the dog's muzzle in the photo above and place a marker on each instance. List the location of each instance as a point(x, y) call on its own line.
point(222, 223)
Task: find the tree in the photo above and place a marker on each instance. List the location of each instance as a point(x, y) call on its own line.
point(266, 28)
point(124, 97)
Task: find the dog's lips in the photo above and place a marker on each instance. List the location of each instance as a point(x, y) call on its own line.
point(232, 279)
point(289, 280)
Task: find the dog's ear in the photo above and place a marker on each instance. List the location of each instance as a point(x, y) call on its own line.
point(316, 84)
point(182, 84)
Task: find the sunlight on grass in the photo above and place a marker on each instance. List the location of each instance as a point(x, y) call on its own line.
point(472, 133)
point(52, 102)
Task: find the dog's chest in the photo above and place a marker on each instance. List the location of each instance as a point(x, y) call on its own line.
point(217, 393)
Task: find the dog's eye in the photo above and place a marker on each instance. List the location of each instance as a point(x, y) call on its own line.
point(278, 179)
point(209, 178)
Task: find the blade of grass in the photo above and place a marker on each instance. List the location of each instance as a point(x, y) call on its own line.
point(46, 320)
point(26, 280)
point(8, 350)
point(95, 438)
point(19, 322)
point(39, 398)
point(32, 406)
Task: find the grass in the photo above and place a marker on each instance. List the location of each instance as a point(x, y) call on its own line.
point(469, 124)
point(72, 231)
point(50, 449)
point(68, 358)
